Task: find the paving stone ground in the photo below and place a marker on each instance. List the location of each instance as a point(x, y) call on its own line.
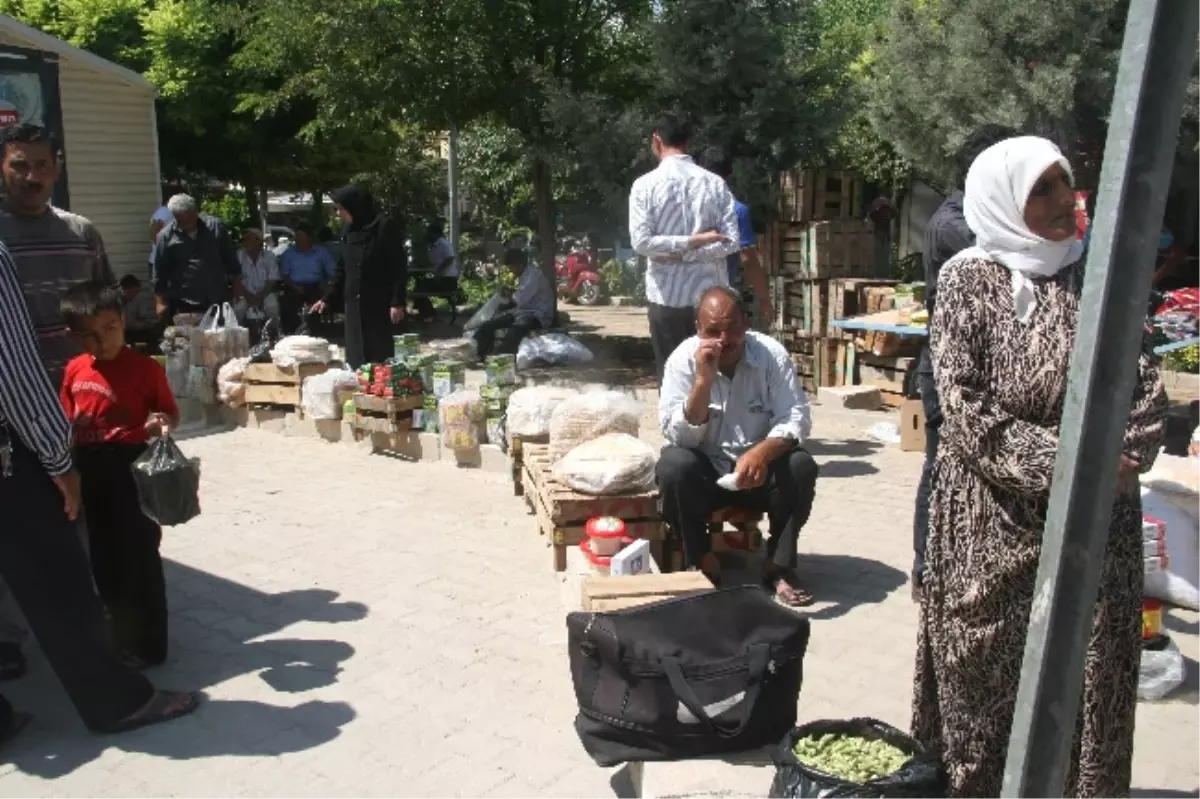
point(366, 626)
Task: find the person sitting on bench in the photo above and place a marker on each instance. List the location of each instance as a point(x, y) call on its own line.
point(442, 278)
point(730, 405)
point(532, 309)
point(306, 270)
point(142, 325)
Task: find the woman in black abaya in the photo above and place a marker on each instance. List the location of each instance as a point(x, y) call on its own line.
point(372, 270)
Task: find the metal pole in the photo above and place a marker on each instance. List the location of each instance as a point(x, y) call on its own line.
point(1156, 59)
point(452, 177)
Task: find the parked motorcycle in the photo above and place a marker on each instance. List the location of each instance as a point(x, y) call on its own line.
point(578, 282)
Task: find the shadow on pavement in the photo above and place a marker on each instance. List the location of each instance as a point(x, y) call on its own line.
point(848, 448)
point(840, 583)
point(832, 469)
point(214, 624)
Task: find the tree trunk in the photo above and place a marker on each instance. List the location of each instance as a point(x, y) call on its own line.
point(263, 210)
point(252, 200)
point(544, 198)
point(318, 209)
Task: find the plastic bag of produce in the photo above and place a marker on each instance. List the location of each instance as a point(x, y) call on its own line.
point(459, 418)
point(855, 758)
point(319, 394)
point(551, 349)
point(485, 313)
point(292, 350)
point(168, 483)
point(237, 338)
point(586, 417)
point(202, 385)
point(530, 409)
point(1160, 672)
point(615, 463)
point(231, 390)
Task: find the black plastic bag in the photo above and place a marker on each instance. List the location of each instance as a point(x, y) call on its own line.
point(261, 352)
point(922, 775)
point(168, 483)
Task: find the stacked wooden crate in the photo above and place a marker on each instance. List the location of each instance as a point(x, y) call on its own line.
point(821, 256)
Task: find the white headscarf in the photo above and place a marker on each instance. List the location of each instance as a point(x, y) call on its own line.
point(997, 189)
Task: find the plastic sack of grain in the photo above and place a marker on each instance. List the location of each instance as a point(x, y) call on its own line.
point(530, 409)
point(292, 350)
point(319, 394)
point(614, 463)
point(460, 416)
point(231, 388)
point(586, 417)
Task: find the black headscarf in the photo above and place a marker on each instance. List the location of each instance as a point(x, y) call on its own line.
point(359, 202)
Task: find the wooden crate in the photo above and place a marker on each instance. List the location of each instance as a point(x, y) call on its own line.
point(808, 195)
point(516, 459)
point(271, 385)
point(562, 513)
point(893, 375)
point(807, 308)
point(602, 594)
point(816, 250)
point(850, 297)
point(384, 414)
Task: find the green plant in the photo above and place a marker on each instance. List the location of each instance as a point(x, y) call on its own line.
point(232, 209)
point(1184, 360)
point(612, 277)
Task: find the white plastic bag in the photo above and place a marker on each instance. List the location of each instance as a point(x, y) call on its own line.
point(202, 384)
point(529, 409)
point(615, 463)
point(486, 313)
point(292, 350)
point(586, 417)
point(885, 432)
point(178, 364)
point(1179, 583)
point(552, 349)
point(237, 338)
point(1160, 672)
point(459, 418)
point(319, 394)
point(231, 390)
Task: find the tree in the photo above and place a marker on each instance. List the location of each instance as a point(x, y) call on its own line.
point(1048, 68)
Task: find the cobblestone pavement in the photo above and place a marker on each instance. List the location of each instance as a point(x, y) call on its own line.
point(366, 626)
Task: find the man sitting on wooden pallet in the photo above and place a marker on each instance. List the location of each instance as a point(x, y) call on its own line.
point(735, 419)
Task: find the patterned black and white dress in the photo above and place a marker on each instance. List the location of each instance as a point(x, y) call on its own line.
point(1002, 385)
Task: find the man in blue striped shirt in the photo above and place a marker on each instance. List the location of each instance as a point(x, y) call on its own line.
point(682, 218)
point(41, 556)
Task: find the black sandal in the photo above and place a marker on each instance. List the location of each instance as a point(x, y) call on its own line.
point(12, 661)
point(799, 597)
point(163, 706)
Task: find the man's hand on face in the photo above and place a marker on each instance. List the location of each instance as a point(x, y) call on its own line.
point(708, 353)
point(751, 468)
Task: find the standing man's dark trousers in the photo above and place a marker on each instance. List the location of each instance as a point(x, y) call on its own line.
point(43, 562)
point(290, 304)
point(669, 327)
point(688, 490)
point(517, 325)
point(933, 421)
point(124, 544)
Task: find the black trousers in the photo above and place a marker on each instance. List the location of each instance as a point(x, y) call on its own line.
point(933, 421)
point(290, 304)
point(124, 546)
point(432, 284)
point(669, 327)
point(688, 490)
point(42, 560)
point(519, 325)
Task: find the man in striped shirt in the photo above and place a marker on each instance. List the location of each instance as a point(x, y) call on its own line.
point(41, 556)
point(53, 249)
point(681, 218)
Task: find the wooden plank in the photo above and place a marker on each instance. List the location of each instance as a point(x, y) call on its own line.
point(564, 505)
point(615, 593)
point(270, 373)
point(272, 394)
point(369, 402)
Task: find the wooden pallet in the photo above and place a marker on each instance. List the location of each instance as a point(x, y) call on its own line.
point(516, 458)
point(268, 385)
point(562, 513)
point(807, 195)
point(892, 375)
point(384, 414)
point(822, 250)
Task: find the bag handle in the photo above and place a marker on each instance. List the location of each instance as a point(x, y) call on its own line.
point(759, 656)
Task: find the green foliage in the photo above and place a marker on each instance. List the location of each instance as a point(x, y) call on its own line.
point(232, 209)
point(1184, 360)
point(618, 280)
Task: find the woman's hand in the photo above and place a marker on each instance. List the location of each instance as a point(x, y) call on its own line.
point(396, 314)
point(1127, 475)
point(317, 307)
point(156, 424)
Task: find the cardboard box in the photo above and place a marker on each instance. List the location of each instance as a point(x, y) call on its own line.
point(615, 593)
point(632, 560)
point(912, 426)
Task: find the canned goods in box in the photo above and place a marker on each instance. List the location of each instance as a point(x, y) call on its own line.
point(494, 428)
point(448, 377)
point(429, 414)
point(501, 370)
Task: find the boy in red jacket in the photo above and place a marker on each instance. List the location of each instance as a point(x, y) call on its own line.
point(116, 398)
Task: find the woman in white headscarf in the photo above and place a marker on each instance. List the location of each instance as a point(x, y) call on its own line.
point(1002, 336)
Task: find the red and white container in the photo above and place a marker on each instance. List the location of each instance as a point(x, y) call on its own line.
point(605, 535)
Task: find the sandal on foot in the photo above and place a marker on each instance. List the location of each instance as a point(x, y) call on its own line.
point(12, 661)
point(795, 597)
point(16, 722)
point(163, 706)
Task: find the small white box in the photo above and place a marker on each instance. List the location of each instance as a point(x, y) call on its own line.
point(633, 559)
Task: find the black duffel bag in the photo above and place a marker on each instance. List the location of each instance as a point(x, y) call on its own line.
point(700, 675)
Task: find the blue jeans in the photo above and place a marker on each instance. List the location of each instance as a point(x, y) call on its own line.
point(933, 422)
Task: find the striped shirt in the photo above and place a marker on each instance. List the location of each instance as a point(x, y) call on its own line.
point(53, 251)
point(29, 408)
point(666, 207)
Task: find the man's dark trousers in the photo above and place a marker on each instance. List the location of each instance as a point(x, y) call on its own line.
point(669, 327)
point(519, 324)
point(43, 562)
point(688, 491)
point(933, 421)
